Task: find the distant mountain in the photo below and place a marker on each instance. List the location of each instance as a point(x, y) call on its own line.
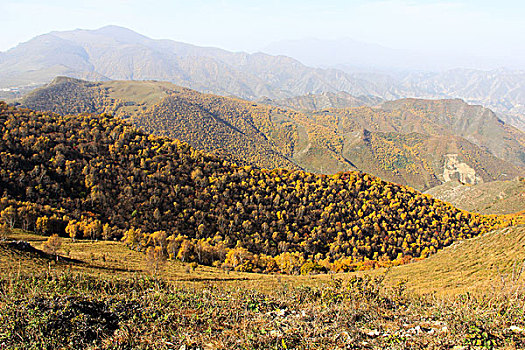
point(349, 53)
point(359, 55)
point(405, 141)
point(405, 74)
point(517, 120)
point(120, 54)
point(115, 53)
point(477, 124)
point(501, 90)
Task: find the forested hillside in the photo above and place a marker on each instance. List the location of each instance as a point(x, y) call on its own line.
point(406, 143)
point(94, 176)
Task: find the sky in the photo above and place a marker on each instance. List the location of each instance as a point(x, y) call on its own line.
point(479, 28)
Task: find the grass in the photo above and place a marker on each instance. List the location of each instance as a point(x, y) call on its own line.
point(104, 296)
point(467, 266)
point(105, 259)
point(53, 309)
point(473, 265)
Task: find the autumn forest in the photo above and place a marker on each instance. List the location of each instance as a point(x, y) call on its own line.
point(96, 177)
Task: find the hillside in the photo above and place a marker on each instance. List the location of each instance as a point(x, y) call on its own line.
point(231, 128)
point(97, 304)
point(498, 197)
point(491, 262)
point(404, 143)
point(95, 176)
point(108, 294)
point(116, 53)
point(314, 102)
point(418, 148)
point(475, 123)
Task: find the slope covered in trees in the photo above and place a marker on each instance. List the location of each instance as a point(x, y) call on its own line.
point(407, 145)
point(234, 129)
point(95, 176)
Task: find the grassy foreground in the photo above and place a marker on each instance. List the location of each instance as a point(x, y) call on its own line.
point(103, 296)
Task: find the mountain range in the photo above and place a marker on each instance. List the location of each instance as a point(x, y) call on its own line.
point(116, 53)
point(421, 143)
point(356, 55)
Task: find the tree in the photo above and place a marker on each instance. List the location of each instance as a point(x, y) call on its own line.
point(53, 244)
point(72, 229)
point(240, 259)
point(42, 225)
point(155, 259)
point(8, 215)
point(107, 232)
point(5, 231)
point(186, 251)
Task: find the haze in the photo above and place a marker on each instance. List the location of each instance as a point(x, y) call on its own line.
point(467, 33)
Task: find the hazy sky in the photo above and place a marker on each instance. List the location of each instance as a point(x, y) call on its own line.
point(470, 27)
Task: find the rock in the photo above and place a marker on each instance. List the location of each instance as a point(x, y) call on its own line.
point(516, 329)
point(373, 333)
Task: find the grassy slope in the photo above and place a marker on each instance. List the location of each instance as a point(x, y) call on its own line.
point(99, 305)
point(477, 264)
point(474, 265)
point(110, 259)
point(498, 197)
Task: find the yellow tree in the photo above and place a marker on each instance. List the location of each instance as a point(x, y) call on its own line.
point(5, 231)
point(53, 244)
point(155, 259)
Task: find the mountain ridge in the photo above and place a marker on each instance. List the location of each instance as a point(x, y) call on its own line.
point(118, 53)
point(121, 54)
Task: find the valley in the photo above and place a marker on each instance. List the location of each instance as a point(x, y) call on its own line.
point(321, 194)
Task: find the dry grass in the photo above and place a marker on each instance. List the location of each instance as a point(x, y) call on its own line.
point(103, 295)
point(476, 265)
point(105, 258)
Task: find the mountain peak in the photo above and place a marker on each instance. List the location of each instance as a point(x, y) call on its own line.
point(115, 30)
point(110, 32)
